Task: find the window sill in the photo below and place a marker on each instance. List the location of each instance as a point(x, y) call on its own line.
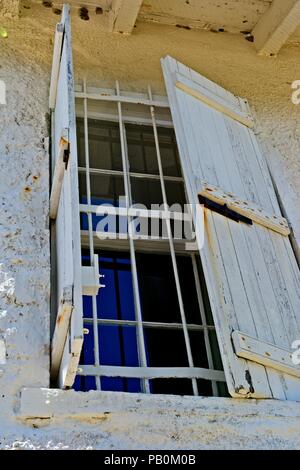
point(44, 403)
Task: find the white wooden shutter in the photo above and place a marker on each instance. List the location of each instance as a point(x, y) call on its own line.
point(64, 209)
point(251, 272)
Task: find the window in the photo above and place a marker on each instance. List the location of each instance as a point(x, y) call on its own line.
point(161, 326)
point(248, 279)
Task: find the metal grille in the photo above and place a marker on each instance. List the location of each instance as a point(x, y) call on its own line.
point(143, 164)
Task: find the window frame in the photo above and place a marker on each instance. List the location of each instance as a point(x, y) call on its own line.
point(153, 104)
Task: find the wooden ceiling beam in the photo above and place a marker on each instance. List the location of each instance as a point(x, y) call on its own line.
point(276, 25)
point(123, 15)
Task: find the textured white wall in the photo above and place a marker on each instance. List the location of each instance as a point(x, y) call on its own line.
point(24, 237)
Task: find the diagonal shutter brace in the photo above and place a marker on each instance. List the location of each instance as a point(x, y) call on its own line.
point(61, 165)
point(65, 308)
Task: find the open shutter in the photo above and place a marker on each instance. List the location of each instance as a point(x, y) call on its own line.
point(64, 210)
point(251, 272)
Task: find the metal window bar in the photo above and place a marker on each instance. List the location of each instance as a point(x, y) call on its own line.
point(126, 118)
point(91, 239)
point(153, 372)
point(141, 243)
point(99, 171)
point(151, 324)
point(136, 293)
point(172, 250)
point(117, 97)
point(134, 212)
point(204, 323)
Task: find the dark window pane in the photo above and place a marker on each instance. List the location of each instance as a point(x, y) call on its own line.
point(198, 349)
point(175, 194)
point(158, 290)
point(118, 384)
point(171, 386)
point(142, 152)
point(146, 192)
point(166, 348)
point(104, 144)
point(84, 383)
point(216, 356)
point(207, 308)
point(188, 290)
point(141, 149)
point(80, 142)
point(205, 387)
point(223, 390)
point(104, 189)
point(118, 347)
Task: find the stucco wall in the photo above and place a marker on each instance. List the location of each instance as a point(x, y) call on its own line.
point(24, 236)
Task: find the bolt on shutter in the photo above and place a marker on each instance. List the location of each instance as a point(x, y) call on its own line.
point(250, 269)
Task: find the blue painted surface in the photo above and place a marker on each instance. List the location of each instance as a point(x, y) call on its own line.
point(117, 345)
point(118, 224)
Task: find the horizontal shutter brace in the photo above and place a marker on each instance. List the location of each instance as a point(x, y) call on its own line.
point(210, 99)
point(231, 206)
point(264, 353)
